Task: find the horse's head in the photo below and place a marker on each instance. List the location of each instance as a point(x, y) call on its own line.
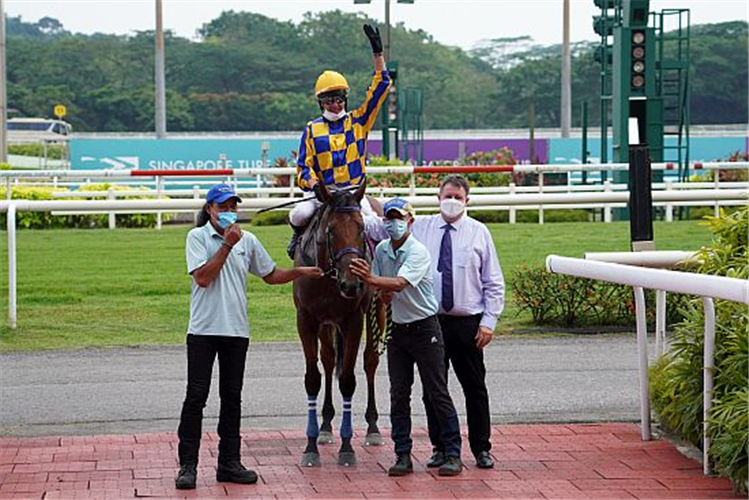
point(344, 237)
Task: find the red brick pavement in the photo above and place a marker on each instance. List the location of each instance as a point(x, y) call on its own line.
point(596, 461)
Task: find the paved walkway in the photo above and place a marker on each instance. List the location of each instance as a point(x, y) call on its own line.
point(573, 461)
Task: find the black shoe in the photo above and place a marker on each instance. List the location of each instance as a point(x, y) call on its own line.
point(186, 477)
point(452, 467)
point(437, 459)
point(484, 460)
point(295, 237)
point(403, 465)
point(234, 472)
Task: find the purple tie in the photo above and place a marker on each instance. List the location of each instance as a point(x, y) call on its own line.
point(445, 266)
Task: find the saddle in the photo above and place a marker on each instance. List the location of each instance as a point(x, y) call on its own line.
point(308, 244)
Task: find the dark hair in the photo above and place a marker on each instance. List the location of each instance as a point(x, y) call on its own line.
point(203, 216)
point(457, 181)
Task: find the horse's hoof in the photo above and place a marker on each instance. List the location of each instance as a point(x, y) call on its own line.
point(347, 458)
point(325, 438)
point(310, 460)
point(373, 439)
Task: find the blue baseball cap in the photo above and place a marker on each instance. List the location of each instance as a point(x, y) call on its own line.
point(220, 193)
point(401, 205)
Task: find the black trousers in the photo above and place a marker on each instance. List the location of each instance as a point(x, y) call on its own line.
point(201, 352)
point(420, 343)
point(468, 362)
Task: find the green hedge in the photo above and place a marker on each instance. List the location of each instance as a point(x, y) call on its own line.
point(45, 220)
point(561, 300)
point(676, 378)
point(54, 151)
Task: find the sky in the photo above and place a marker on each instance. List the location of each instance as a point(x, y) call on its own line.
point(461, 23)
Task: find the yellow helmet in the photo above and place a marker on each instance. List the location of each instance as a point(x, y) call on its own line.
point(329, 81)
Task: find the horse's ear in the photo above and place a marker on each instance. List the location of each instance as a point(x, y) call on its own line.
point(325, 193)
point(359, 195)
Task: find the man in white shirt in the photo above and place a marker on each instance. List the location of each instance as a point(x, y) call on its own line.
point(469, 287)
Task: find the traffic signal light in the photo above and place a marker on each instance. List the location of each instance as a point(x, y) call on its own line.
point(605, 4)
point(603, 25)
point(600, 58)
point(638, 66)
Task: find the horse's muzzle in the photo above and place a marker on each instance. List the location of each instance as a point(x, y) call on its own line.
point(350, 289)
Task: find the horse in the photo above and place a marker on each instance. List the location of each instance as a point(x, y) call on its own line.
point(335, 306)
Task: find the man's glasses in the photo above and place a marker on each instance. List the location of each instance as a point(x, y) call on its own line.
point(336, 99)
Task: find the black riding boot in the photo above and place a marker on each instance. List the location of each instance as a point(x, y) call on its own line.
point(295, 237)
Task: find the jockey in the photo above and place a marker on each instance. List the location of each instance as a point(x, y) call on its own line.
point(333, 146)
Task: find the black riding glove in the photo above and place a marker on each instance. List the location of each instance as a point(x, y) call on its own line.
point(374, 38)
point(318, 192)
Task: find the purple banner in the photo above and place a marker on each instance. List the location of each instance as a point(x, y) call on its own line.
point(450, 149)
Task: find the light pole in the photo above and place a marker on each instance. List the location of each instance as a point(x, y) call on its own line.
point(566, 111)
point(159, 70)
point(387, 42)
point(3, 92)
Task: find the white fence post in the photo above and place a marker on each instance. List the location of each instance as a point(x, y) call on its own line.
point(642, 354)
point(11, 223)
point(669, 205)
point(660, 322)
point(716, 210)
point(112, 217)
point(540, 191)
point(196, 196)
point(513, 211)
point(607, 207)
point(159, 188)
point(707, 379)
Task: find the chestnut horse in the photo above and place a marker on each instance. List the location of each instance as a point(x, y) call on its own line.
point(330, 315)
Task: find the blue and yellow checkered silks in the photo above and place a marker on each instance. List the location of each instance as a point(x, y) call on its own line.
point(334, 153)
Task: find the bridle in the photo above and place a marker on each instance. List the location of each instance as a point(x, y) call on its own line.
point(333, 258)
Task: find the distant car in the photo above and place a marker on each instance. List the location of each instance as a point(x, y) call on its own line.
point(38, 130)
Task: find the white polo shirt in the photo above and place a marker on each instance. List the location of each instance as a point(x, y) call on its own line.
point(221, 307)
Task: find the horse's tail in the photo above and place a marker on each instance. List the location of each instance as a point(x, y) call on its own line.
point(338, 351)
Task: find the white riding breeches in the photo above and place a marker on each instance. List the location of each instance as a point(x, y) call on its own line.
point(301, 214)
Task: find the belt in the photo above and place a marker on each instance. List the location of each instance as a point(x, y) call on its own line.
point(416, 324)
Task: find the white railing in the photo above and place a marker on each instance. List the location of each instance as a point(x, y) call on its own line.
point(705, 286)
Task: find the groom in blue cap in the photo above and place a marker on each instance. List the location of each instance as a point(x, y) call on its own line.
point(401, 269)
point(219, 257)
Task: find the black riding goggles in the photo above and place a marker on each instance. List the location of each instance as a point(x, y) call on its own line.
point(333, 99)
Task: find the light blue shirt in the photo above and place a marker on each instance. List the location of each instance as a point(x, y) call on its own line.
point(478, 284)
point(221, 307)
point(411, 261)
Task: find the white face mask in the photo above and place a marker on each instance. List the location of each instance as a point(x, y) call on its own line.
point(333, 117)
point(452, 208)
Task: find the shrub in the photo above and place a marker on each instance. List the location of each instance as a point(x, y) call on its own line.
point(54, 151)
point(272, 218)
point(558, 299)
point(677, 377)
point(45, 220)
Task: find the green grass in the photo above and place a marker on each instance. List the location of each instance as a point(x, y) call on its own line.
point(81, 288)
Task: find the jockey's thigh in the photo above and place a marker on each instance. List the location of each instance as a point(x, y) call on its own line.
point(366, 208)
point(303, 212)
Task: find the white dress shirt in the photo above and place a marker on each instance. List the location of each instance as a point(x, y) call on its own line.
point(478, 284)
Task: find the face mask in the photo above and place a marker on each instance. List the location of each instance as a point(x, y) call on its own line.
point(333, 117)
point(226, 219)
point(452, 208)
point(396, 228)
